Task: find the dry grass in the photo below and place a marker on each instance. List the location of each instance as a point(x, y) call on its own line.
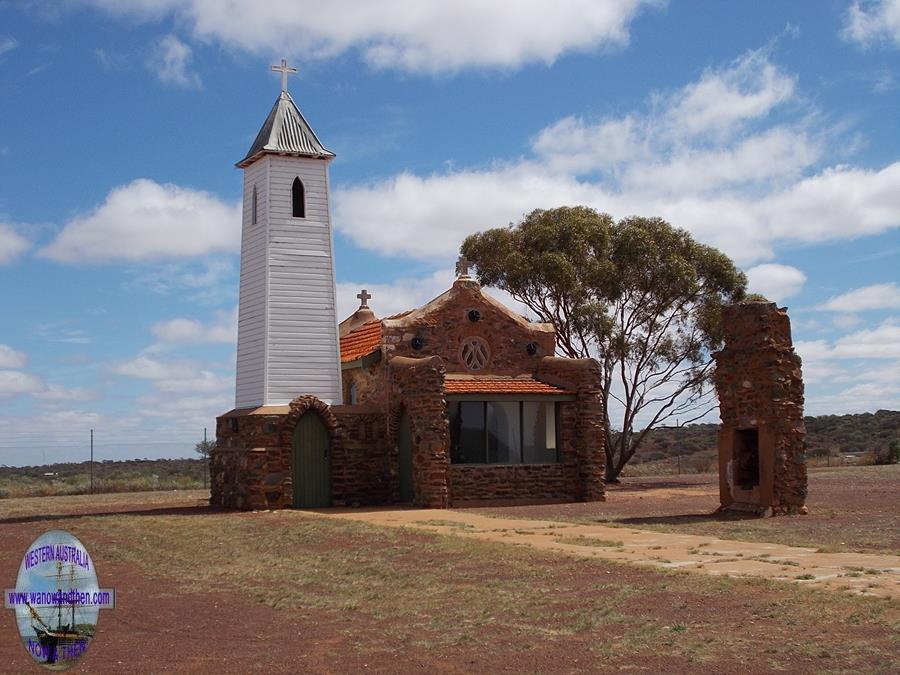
point(444, 591)
point(851, 509)
point(395, 590)
point(581, 540)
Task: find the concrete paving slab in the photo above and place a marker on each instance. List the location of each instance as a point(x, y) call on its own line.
point(876, 575)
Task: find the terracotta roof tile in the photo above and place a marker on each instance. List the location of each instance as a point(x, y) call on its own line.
point(528, 386)
point(361, 342)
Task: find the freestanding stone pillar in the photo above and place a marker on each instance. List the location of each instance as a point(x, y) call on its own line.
point(762, 448)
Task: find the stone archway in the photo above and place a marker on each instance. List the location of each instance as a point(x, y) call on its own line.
point(288, 439)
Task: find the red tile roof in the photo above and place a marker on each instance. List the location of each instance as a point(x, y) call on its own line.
point(528, 386)
point(361, 342)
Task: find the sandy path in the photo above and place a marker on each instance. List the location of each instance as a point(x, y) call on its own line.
point(861, 573)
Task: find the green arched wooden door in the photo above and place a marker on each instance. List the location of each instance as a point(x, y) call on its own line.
point(312, 462)
point(404, 444)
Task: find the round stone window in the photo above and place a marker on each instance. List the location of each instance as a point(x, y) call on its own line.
point(475, 353)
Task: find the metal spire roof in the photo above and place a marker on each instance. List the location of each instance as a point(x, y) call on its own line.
point(287, 132)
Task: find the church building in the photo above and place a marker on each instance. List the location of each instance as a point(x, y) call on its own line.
point(460, 401)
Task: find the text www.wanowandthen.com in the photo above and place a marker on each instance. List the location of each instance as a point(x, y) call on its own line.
point(103, 597)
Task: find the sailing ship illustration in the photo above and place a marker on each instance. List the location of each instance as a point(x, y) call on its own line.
point(64, 641)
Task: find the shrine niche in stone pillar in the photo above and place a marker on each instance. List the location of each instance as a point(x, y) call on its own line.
point(762, 447)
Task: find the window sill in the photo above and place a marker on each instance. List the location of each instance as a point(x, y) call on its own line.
point(494, 464)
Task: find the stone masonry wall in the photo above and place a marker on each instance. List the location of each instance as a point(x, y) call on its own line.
point(586, 418)
point(443, 332)
point(370, 382)
point(760, 386)
point(361, 472)
point(418, 385)
point(251, 467)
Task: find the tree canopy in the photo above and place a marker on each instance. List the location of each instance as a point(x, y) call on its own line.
point(641, 296)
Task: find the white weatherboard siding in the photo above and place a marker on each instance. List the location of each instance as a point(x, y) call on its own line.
point(251, 349)
point(287, 333)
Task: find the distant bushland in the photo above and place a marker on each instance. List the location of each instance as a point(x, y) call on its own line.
point(866, 436)
point(132, 475)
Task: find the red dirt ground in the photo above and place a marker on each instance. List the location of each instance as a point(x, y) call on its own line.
point(155, 630)
point(851, 509)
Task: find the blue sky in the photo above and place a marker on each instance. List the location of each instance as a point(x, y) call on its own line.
point(770, 131)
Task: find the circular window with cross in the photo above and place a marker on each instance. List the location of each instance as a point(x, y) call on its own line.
point(475, 353)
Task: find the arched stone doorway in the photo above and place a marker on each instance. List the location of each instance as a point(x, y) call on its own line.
point(311, 462)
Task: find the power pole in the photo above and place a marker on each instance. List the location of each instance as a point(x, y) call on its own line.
point(206, 463)
point(92, 461)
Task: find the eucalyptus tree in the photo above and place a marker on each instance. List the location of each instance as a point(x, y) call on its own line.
point(639, 295)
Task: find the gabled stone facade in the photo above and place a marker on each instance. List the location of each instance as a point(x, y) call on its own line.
point(459, 351)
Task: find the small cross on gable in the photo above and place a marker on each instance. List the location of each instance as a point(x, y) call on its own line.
point(364, 297)
point(284, 69)
point(462, 267)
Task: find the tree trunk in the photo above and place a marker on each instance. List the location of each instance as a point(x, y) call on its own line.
point(617, 457)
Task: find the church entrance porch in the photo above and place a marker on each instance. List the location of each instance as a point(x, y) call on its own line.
point(306, 455)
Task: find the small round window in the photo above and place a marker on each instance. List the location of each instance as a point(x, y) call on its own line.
point(475, 353)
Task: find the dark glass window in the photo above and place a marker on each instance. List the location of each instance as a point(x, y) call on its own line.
point(467, 432)
point(538, 432)
point(298, 199)
point(254, 205)
point(503, 432)
point(504, 438)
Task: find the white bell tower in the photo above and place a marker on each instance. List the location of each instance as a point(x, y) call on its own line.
point(287, 320)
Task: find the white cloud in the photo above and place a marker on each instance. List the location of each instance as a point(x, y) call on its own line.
point(147, 368)
point(881, 342)
point(210, 281)
point(872, 21)
point(58, 393)
point(18, 382)
point(199, 382)
point(428, 217)
point(410, 35)
point(145, 220)
point(776, 282)
point(15, 381)
point(749, 88)
point(691, 136)
point(174, 376)
point(187, 331)
point(170, 60)
point(7, 43)
point(12, 244)
point(876, 296)
point(862, 389)
point(841, 202)
point(574, 145)
point(711, 166)
point(398, 296)
point(778, 153)
point(110, 61)
point(846, 321)
point(884, 82)
point(10, 358)
point(408, 293)
point(62, 331)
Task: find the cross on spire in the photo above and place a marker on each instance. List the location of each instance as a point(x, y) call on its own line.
point(462, 267)
point(364, 297)
point(284, 69)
